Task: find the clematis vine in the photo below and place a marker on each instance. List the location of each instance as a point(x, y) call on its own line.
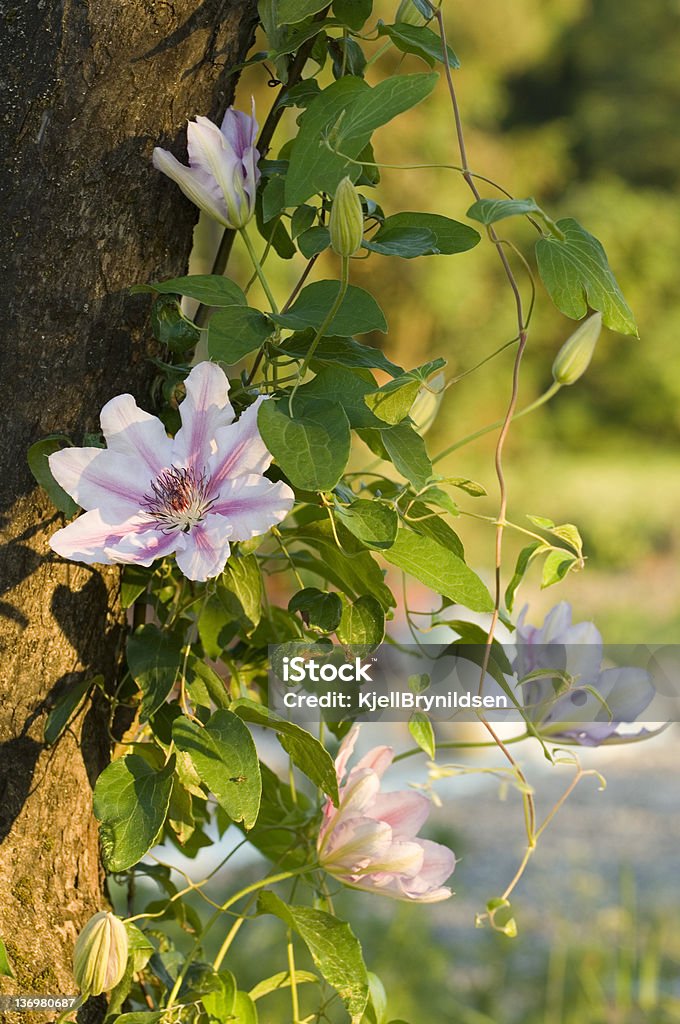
point(222, 175)
point(147, 495)
point(591, 712)
point(370, 841)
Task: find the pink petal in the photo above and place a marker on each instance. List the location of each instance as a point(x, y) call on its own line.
point(196, 185)
point(98, 478)
point(354, 845)
point(131, 431)
point(240, 448)
point(345, 752)
point(253, 504)
point(438, 864)
point(144, 547)
point(203, 412)
point(400, 859)
point(378, 760)
point(405, 812)
point(240, 129)
point(204, 549)
point(89, 539)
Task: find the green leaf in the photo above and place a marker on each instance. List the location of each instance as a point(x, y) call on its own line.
point(313, 448)
point(291, 11)
point(273, 199)
point(310, 756)
point(408, 454)
point(208, 289)
point(362, 625)
point(353, 570)
point(392, 402)
point(358, 313)
point(171, 327)
point(235, 331)
point(225, 758)
point(524, 560)
point(420, 40)
point(422, 732)
point(440, 569)
point(67, 707)
point(385, 101)
point(439, 497)
point(429, 523)
point(140, 948)
point(180, 813)
point(488, 211)
point(353, 13)
point(334, 949)
point(204, 685)
point(302, 220)
point(244, 1011)
point(281, 832)
point(340, 352)
point(346, 113)
point(5, 968)
point(39, 466)
point(313, 241)
point(577, 275)
point(347, 388)
point(131, 801)
point(240, 590)
point(319, 609)
point(556, 566)
point(448, 236)
point(140, 1017)
point(376, 1011)
point(155, 660)
point(219, 1004)
point(372, 522)
point(470, 487)
point(280, 981)
point(133, 583)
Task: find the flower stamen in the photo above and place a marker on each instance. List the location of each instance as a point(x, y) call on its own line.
point(180, 499)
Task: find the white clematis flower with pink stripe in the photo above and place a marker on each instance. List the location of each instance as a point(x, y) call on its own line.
point(371, 840)
point(147, 495)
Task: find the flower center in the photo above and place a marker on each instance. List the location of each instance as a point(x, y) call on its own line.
point(179, 500)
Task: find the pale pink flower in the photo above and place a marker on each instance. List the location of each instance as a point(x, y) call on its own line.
point(222, 175)
point(148, 495)
point(371, 840)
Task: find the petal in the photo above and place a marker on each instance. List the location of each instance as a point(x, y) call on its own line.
point(211, 152)
point(144, 547)
point(240, 129)
point(627, 691)
point(98, 478)
point(405, 812)
point(438, 864)
point(205, 549)
point(404, 859)
point(352, 847)
point(131, 431)
point(89, 539)
point(240, 448)
point(378, 759)
point(195, 185)
point(345, 752)
point(203, 412)
point(253, 504)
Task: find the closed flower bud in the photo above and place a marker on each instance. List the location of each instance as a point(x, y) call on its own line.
point(573, 359)
point(100, 954)
point(346, 224)
point(408, 14)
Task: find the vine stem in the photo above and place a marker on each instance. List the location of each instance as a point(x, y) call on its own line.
point(545, 397)
point(295, 1005)
point(283, 876)
point(328, 320)
point(529, 806)
point(258, 269)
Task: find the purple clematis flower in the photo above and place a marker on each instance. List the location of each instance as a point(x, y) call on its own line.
point(592, 711)
point(222, 175)
point(147, 495)
point(371, 842)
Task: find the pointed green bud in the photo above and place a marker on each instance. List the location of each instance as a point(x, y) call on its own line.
point(346, 224)
point(573, 359)
point(408, 14)
point(100, 954)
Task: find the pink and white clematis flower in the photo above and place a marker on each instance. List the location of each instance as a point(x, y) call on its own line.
point(371, 840)
point(148, 495)
point(222, 175)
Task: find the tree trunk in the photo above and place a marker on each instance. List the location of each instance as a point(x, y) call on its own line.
point(91, 87)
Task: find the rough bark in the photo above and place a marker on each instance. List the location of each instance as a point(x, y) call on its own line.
point(90, 86)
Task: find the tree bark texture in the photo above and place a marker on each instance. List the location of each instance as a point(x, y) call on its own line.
point(89, 87)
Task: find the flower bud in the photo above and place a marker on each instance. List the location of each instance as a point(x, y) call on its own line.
point(408, 14)
point(573, 359)
point(346, 224)
point(100, 954)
